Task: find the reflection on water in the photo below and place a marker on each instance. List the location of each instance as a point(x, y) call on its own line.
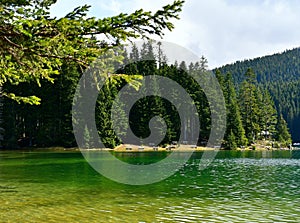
point(237, 187)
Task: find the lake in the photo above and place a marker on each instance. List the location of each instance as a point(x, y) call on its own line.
point(239, 186)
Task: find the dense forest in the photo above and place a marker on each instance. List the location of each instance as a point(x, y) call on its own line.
point(279, 74)
point(42, 57)
point(251, 112)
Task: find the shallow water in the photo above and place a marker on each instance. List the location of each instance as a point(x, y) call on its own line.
point(236, 187)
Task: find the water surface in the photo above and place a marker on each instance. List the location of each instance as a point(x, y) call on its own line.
point(237, 187)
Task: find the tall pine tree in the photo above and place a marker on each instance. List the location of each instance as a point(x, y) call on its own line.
point(235, 133)
point(249, 106)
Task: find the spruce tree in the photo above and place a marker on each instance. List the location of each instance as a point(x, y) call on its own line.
point(234, 121)
point(249, 106)
point(268, 115)
point(37, 44)
point(283, 135)
point(197, 71)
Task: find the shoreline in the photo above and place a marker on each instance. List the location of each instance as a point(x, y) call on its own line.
point(136, 148)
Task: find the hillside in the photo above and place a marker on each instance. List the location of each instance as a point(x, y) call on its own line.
point(280, 74)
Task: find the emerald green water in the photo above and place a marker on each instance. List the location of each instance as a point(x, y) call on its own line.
point(237, 187)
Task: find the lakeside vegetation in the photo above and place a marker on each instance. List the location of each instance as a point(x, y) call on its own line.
point(279, 75)
point(37, 102)
point(251, 112)
point(38, 52)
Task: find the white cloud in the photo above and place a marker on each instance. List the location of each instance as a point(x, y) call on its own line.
point(226, 32)
point(222, 30)
point(100, 8)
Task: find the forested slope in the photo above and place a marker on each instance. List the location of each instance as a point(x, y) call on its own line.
point(280, 74)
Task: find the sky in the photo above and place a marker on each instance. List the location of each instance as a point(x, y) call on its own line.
point(223, 31)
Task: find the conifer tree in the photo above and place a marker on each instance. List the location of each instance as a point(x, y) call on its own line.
point(249, 106)
point(38, 48)
point(35, 44)
point(283, 135)
point(268, 115)
point(235, 133)
point(234, 121)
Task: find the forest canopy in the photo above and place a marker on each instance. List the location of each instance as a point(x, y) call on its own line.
point(279, 75)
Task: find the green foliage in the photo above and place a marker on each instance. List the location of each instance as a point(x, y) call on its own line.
point(32, 100)
point(267, 115)
point(283, 135)
point(231, 142)
point(235, 133)
point(279, 75)
point(34, 45)
point(249, 106)
point(48, 125)
point(86, 138)
point(51, 53)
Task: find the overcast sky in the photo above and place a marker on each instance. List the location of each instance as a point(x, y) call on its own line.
point(222, 30)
